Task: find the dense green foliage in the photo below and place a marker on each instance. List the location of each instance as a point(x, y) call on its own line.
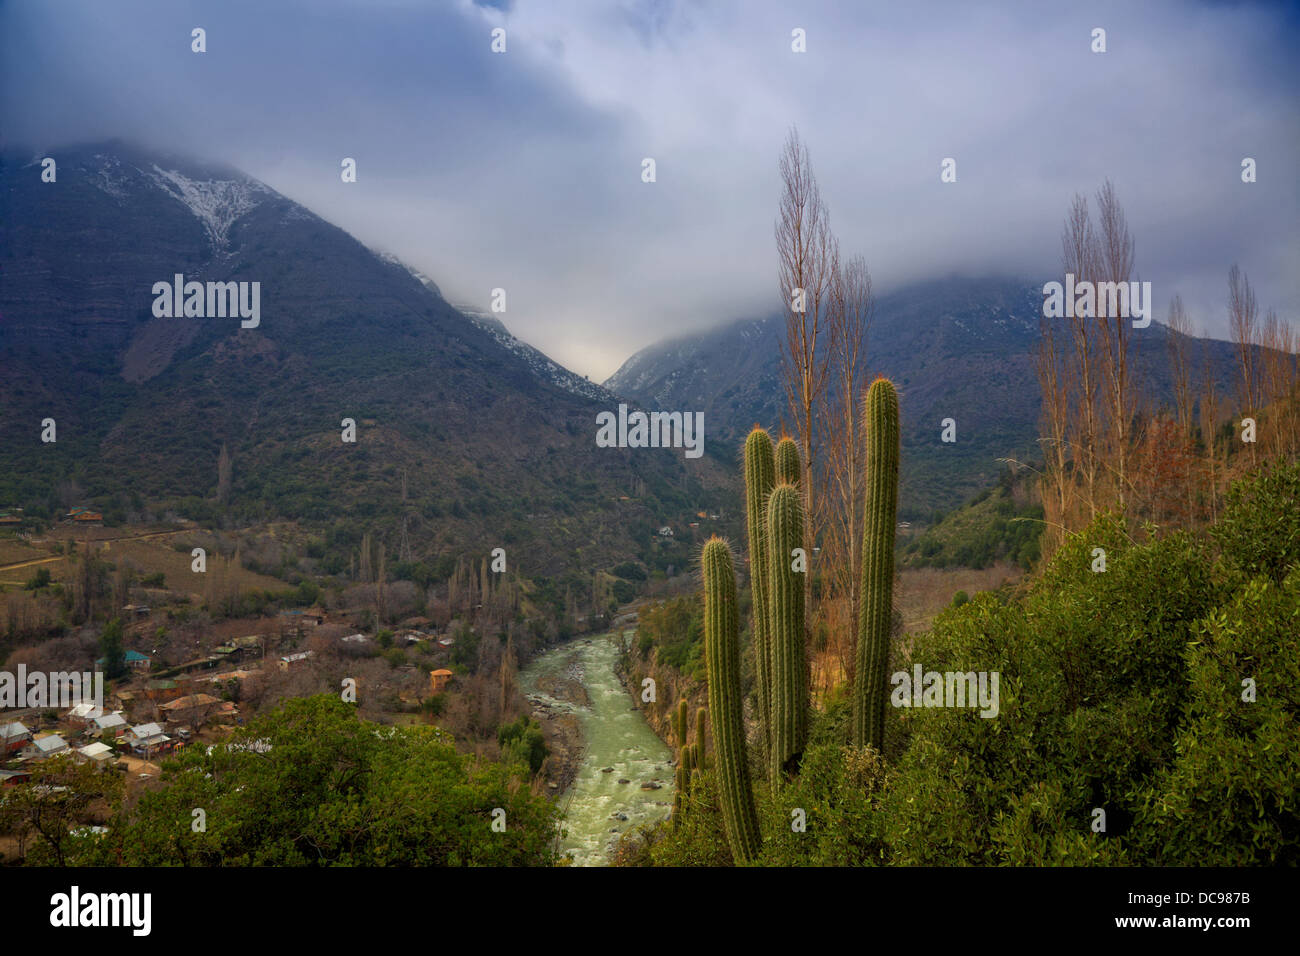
point(1163, 692)
point(991, 527)
point(310, 784)
point(112, 649)
point(523, 743)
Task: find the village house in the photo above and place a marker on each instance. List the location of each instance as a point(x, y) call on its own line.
point(356, 639)
point(47, 746)
point(96, 753)
point(438, 679)
point(193, 708)
point(148, 740)
point(82, 715)
point(113, 723)
point(12, 778)
point(13, 737)
point(293, 660)
point(133, 660)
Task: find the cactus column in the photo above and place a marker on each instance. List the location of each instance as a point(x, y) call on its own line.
point(759, 479)
point(786, 623)
point(722, 656)
point(787, 461)
point(880, 518)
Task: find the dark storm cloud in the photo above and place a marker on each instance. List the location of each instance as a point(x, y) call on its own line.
point(522, 170)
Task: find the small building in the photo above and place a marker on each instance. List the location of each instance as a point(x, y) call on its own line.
point(113, 723)
point(356, 639)
point(446, 642)
point(294, 660)
point(133, 659)
point(135, 610)
point(12, 778)
point(251, 644)
point(148, 739)
point(47, 746)
point(83, 714)
point(13, 737)
point(665, 532)
point(97, 753)
point(193, 707)
point(438, 679)
point(84, 516)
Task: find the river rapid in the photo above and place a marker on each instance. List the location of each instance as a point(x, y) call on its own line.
point(621, 755)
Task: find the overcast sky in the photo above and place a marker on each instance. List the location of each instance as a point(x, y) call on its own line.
point(522, 170)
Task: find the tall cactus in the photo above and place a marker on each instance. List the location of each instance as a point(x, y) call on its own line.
point(681, 723)
point(700, 749)
point(786, 601)
point(880, 518)
point(722, 657)
point(760, 471)
point(787, 461)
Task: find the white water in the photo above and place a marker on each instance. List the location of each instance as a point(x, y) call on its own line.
point(615, 735)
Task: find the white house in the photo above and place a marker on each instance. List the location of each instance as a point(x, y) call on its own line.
point(48, 746)
point(96, 753)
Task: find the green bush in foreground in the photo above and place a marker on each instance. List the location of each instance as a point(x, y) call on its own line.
point(1160, 697)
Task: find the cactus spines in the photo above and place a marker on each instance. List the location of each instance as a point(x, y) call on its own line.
point(700, 749)
point(722, 657)
point(787, 461)
point(680, 722)
point(786, 621)
point(760, 471)
point(880, 516)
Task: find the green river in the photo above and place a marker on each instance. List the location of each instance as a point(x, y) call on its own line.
point(621, 753)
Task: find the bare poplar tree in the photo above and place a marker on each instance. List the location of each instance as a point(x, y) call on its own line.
point(1209, 427)
point(1053, 381)
point(808, 256)
point(1242, 312)
point(852, 304)
point(1180, 330)
point(1078, 256)
point(1177, 339)
point(1115, 259)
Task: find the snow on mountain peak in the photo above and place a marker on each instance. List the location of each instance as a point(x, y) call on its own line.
point(217, 203)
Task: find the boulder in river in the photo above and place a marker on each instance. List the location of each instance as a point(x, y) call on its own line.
point(606, 769)
point(625, 780)
point(651, 785)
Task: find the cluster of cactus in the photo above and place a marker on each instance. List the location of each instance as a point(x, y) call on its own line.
point(775, 517)
point(691, 757)
point(774, 513)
